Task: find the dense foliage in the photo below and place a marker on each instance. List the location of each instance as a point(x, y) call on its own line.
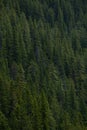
point(43, 64)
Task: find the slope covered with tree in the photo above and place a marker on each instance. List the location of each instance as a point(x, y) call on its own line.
point(43, 64)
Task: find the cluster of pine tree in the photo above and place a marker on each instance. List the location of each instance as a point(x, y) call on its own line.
point(43, 64)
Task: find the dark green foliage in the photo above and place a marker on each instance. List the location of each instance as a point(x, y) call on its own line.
point(43, 64)
point(3, 122)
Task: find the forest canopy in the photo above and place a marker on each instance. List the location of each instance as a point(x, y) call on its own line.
point(43, 64)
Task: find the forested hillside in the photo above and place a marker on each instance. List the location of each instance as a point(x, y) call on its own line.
point(43, 64)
